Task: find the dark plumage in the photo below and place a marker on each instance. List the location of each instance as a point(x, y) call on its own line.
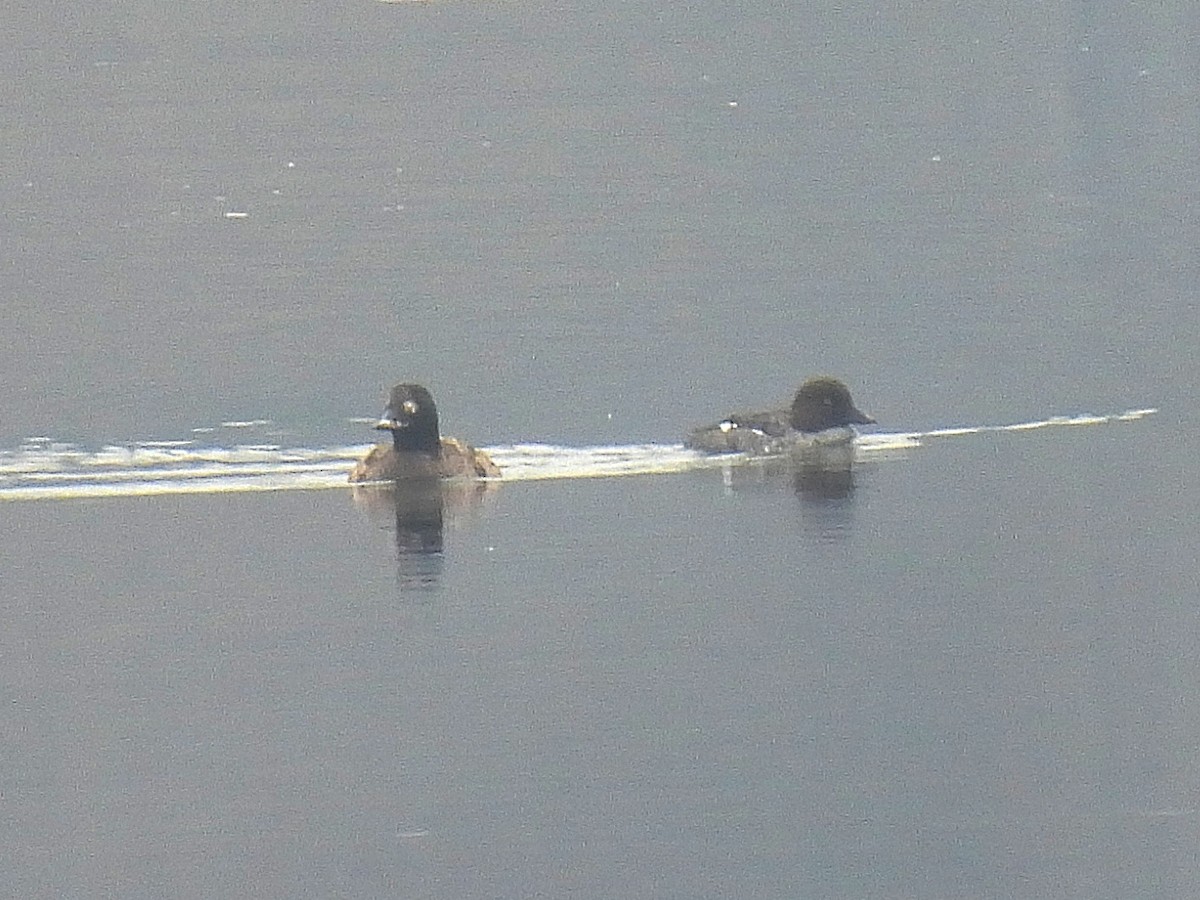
point(821, 404)
point(418, 450)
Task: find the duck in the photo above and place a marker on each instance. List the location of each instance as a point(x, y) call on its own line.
point(820, 415)
point(417, 449)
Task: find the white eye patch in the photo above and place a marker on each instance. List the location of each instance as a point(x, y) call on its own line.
point(727, 426)
point(409, 406)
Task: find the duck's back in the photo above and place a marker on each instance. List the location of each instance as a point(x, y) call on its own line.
point(456, 460)
point(460, 459)
point(750, 432)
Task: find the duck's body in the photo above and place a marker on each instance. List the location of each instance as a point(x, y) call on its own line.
point(820, 416)
point(417, 449)
point(455, 460)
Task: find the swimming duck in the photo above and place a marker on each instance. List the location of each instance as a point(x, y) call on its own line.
point(418, 450)
point(821, 414)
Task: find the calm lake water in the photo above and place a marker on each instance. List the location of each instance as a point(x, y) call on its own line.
point(967, 670)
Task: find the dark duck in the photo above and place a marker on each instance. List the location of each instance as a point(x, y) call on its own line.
point(821, 414)
point(417, 449)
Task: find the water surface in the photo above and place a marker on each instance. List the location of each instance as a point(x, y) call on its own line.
point(963, 670)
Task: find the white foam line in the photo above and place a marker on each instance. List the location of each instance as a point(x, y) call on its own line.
point(540, 462)
point(1131, 415)
point(145, 457)
point(223, 485)
point(179, 474)
point(64, 472)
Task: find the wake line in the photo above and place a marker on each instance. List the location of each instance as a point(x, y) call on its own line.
point(42, 470)
point(1131, 415)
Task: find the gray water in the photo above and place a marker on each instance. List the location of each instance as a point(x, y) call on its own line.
point(967, 671)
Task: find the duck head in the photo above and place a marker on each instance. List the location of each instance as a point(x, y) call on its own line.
point(411, 416)
point(825, 402)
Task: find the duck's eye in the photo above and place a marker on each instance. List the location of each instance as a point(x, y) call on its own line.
point(409, 406)
point(727, 426)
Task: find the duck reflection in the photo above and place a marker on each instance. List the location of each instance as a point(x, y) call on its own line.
point(419, 509)
point(823, 474)
point(825, 492)
point(817, 478)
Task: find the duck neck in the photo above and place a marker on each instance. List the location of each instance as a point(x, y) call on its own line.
point(417, 440)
